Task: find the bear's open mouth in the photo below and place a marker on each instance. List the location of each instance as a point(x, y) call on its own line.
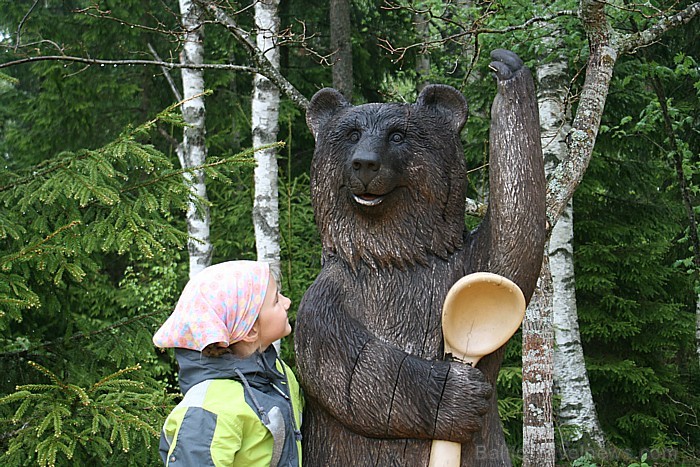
point(368, 199)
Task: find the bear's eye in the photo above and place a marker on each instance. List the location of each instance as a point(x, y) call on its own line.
point(354, 136)
point(396, 137)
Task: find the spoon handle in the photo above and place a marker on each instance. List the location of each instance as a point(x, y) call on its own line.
point(445, 454)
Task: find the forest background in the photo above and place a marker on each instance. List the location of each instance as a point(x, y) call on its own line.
point(96, 203)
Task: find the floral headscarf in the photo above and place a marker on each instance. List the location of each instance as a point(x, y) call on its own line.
point(218, 305)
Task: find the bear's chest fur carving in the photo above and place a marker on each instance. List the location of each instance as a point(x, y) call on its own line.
point(404, 307)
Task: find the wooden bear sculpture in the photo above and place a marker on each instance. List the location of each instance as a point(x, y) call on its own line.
point(388, 184)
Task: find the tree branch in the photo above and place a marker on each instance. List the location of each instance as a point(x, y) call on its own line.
point(21, 23)
point(265, 68)
point(630, 42)
point(466, 32)
point(605, 46)
point(77, 336)
point(263, 65)
point(96, 61)
point(178, 96)
point(567, 176)
point(166, 73)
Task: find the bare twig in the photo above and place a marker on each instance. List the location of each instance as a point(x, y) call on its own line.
point(127, 62)
point(107, 15)
point(166, 73)
point(21, 23)
point(473, 31)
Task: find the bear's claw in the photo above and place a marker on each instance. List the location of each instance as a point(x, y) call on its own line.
point(505, 64)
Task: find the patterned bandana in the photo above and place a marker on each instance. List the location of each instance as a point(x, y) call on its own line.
point(218, 305)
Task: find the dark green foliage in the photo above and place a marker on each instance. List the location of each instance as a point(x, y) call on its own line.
point(60, 214)
point(633, 328)
point(59, 106)
point(90, 244)
point(93, 425)
point(636, 306)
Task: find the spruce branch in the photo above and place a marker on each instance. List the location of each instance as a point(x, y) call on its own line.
point(78, 336)
point(244, 157)
point(5, 263)
point(130, 135)
point(115, 376)
point(46, 372)
point(54, 419)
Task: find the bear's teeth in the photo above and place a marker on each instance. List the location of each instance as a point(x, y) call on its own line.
point(368, 202)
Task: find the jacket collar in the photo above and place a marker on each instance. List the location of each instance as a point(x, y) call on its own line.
point(258, 369)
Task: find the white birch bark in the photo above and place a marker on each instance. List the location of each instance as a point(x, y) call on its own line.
point(570, 377)
point(265, 117)
point(538, 440)
point(571, 382)
point(422, 27)
point(261, 60)
point(193, 151)
point(538, 418)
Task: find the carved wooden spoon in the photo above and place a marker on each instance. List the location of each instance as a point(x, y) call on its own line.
point(481, 312)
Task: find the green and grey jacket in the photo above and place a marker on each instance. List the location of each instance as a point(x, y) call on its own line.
point(242, 412)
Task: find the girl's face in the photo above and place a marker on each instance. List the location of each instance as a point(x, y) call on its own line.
point(273, 323)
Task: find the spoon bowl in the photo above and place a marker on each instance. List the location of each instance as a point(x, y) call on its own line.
point(481, 312)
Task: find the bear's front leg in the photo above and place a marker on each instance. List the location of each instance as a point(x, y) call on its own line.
point(513, 231)
point(375, 389)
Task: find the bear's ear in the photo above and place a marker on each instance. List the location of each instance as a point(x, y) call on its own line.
point(446, 101)
point(324, 104)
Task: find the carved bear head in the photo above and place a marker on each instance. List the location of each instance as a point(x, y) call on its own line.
point(388, 181)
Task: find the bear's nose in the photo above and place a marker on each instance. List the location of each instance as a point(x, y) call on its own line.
point(366, 164)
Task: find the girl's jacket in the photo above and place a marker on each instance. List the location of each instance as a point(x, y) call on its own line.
point(242, 412)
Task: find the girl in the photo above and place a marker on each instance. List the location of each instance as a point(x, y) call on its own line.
point(242, 404)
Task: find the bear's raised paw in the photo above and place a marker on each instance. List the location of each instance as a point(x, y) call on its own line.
point(505, 64)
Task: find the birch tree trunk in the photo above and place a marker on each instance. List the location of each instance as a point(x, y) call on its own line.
point(341, 45)
point(538, 339)
point(570, 377)
point(192, 151)
point(265, 124)
point(422, 27)
point(571, 383)
point(538, 429)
